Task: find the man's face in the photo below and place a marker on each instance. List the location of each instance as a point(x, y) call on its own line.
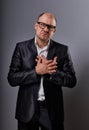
point(45, 27)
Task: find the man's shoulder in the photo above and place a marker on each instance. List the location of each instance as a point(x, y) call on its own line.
point(58, 44)
point(25, 42)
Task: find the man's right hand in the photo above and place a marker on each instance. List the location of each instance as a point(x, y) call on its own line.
point(45, 66)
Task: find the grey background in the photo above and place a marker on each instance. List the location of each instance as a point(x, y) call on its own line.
point(17, 21)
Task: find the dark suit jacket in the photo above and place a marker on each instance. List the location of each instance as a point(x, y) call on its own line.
point(22, 73)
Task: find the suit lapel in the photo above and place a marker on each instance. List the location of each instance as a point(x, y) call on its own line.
point(51, 50)
point(33, 47)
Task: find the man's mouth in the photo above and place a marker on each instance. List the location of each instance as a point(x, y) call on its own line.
point(45, 34)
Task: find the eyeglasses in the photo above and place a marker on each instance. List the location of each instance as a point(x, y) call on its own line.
point(44, 25)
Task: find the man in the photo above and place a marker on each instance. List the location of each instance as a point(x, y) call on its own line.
point(41, 66)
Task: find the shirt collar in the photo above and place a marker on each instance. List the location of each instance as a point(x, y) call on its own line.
point(44, 48)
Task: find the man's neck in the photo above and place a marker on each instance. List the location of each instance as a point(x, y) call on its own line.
point(40, 43)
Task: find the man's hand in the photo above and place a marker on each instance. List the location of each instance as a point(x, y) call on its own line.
point(45, 66)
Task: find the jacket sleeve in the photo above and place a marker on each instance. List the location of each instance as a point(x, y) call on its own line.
point(66, 75)
point(18, 76)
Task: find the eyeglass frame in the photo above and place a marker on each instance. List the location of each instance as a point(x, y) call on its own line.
point(50, 27)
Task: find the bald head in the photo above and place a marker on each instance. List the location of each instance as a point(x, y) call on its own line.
point(48, 15)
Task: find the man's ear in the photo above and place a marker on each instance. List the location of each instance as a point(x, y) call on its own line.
point(54, 30)
point(35, 26)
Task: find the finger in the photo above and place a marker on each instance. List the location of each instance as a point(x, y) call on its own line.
point(48, 62)
point(51, 71)
point(38, 57)
point(39, 60)
point(52, 64)
point(55, 59)
point(36, 60)
point(52, 68)
point(43, 59)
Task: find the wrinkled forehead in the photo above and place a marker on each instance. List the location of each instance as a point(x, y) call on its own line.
point(48, 19)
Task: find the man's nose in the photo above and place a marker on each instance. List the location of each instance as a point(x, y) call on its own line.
point(46, 28)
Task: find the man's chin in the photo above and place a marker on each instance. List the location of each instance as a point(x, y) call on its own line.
point(45, 39)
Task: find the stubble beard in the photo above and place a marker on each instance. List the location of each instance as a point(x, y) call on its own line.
point(42, 39)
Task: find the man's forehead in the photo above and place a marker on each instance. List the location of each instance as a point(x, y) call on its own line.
point(47, 15)
point(46, 18)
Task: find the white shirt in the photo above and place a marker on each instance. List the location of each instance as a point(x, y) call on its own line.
point(41, 51)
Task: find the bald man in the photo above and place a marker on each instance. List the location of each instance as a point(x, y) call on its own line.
point(41, 67)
